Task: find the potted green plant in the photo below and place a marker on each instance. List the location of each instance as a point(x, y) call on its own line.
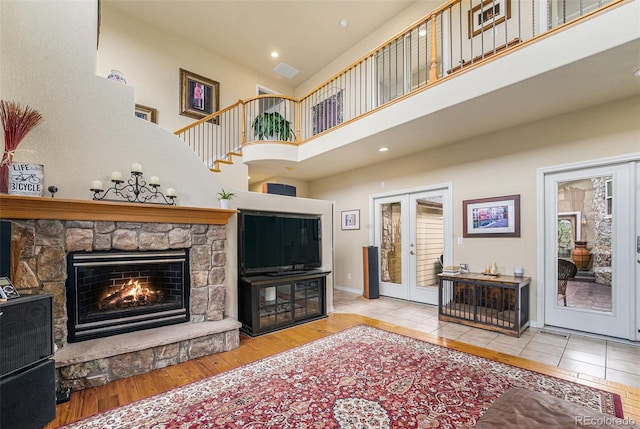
point(224, 197)
point(272, 126)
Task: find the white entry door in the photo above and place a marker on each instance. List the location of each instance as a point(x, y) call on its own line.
point(410, 232)
point(590, 225)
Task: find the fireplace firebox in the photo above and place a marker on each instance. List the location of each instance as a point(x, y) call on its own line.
point(110, 293)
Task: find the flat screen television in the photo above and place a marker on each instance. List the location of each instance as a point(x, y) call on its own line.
point(278, 243)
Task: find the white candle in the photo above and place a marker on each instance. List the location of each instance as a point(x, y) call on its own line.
point(136, 168)
point(97, 185)
point(171, 192)
point(154, 180)
point(116, 175)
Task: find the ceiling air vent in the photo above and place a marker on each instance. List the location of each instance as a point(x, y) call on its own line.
point(286, 70)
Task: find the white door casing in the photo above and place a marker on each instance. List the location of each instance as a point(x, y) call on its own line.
point(621, 320)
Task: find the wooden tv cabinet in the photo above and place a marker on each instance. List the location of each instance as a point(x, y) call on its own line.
point(497, 303)
point(268, 303)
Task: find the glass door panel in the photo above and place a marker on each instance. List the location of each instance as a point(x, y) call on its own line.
point(427, 245)
point(584, 236)
point(587, 242)
point(391, 236)
point(411, 231)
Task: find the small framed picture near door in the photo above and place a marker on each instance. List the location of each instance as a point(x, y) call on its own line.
point(199, 96)
point(350, 219)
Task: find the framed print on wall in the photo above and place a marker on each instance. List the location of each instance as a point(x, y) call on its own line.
point(199, 96)
point(350, 219)
point(491, 217)
point(487, 14)
point(146, 113)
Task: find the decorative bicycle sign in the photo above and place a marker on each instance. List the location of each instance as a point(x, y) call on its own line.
point(26, 179)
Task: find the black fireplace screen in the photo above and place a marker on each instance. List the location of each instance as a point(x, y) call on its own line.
point(115, 292)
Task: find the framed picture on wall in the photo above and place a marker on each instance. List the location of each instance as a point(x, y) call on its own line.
point(350, 219)
point(487, 14)
point(491, 217)
point(146, 113)
point(199, 96)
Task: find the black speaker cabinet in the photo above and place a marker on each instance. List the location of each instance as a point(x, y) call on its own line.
point(29, 397)
point(279, 189)
point(371, 277)
point(26, 332)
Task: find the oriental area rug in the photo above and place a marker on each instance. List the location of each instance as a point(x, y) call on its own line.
point(362, 377)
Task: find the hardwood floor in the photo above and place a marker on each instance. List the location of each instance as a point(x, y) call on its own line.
point(91, 401)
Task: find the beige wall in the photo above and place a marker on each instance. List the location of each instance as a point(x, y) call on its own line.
point(382, 34)
point(497, 164)
point(48, 61)
point(151, 62)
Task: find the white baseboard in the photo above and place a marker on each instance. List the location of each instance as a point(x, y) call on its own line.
point(347, 289)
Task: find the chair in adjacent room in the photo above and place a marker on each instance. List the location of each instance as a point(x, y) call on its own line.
point(566, 270)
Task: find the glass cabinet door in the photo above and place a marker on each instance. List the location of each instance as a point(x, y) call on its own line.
point(275, 305)
point(308, 302)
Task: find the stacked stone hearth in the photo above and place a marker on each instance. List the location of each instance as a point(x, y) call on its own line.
point(39, 251)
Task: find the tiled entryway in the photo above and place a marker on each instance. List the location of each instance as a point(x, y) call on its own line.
point(604, 358)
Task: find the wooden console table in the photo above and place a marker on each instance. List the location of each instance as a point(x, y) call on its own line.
point(497, 303)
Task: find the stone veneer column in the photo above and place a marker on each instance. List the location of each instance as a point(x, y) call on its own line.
point(601, 244)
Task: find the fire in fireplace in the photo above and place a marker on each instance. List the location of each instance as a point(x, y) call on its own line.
point(130, 294)
point(115, 292)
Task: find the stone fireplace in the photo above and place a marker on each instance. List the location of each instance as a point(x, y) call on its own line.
point(46, 246)
point(110, 293)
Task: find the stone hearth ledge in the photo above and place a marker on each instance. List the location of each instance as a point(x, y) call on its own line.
point(101, 348)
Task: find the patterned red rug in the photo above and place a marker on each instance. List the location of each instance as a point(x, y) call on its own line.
point(362, 377)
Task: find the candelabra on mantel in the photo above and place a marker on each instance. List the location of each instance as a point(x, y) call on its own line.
point(136, 190)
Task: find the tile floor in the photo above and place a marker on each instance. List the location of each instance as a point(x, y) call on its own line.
point(604, 358)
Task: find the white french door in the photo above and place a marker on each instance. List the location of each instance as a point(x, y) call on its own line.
point(411, 231)
point(601, 201)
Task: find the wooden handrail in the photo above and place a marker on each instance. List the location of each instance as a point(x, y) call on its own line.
point(207, 118)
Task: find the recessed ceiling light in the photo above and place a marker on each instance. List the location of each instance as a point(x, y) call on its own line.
point(637, 73)
point(274, 54)
point(383, 149)
point(422, 33)
point(344, 23)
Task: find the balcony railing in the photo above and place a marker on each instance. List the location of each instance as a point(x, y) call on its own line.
point(458, 36)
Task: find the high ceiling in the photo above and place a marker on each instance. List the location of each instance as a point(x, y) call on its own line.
point(306, 33)
point(308, 36)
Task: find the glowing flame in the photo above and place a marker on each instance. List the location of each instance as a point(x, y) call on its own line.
point(130, 294)
point(136, 292)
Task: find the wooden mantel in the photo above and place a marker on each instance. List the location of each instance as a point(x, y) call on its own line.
point(21, 207)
